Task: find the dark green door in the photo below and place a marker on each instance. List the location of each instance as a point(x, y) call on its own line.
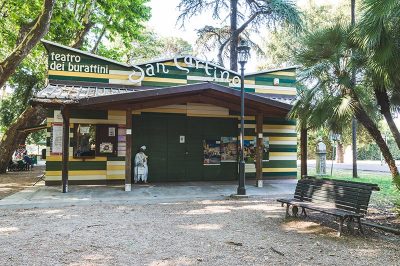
point(175, 146)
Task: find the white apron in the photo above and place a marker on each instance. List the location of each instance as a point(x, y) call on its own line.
point(140, 170)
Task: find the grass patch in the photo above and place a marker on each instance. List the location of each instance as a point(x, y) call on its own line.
point(387, 196)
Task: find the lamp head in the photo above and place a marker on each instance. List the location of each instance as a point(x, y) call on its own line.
point(243, 52)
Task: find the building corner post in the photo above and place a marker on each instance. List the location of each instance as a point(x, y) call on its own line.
point(128, 155)
point(65, 148)
point(259, 149)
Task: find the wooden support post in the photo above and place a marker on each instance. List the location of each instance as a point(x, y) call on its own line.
point(259, 149)
point(303, 152)
point(65, 148)
point(128, 155)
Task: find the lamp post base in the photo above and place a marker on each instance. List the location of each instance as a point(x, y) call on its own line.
point(241, 191)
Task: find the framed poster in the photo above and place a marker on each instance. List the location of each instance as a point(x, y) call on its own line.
point(229, 149)
point(106, 147)
point(249, 150)
point(212, 152)
point(265, 153)
point(56, 138)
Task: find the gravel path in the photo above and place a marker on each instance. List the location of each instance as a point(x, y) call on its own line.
point(227, 232)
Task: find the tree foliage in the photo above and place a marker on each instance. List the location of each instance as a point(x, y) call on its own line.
point(243, 15)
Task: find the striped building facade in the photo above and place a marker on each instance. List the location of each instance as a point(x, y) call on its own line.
point(75, 76)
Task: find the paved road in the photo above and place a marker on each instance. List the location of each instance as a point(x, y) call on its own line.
point(371, 166)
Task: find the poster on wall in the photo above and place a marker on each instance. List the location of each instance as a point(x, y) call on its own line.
point(229, 149)
point(212, 152)
point(106, 147)
point(56, 138)
point(265, 154)
point(249, 151)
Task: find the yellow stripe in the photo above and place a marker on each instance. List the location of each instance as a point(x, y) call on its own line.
point(249, 137)
point(279, 127)
point(57, 158)
point(283, 138)
point(278, 170)
point(284, 73)
point(116, 113)
point(180, 81)
point(88, 75)
point(115, 167)
point(79, 173)
point(115, 176)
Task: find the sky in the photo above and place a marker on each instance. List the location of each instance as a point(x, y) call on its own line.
point(165, 14)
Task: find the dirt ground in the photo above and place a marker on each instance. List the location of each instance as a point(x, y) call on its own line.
point(12, 182)
point(224, 232)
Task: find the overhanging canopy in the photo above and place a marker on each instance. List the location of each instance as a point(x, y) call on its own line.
point(114, 98)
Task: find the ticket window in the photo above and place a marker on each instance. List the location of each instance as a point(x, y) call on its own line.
point(84, 141)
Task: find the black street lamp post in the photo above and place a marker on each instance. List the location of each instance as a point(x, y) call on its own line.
point(243, 55)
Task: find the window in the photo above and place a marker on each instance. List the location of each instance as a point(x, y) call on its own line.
point(84, 142)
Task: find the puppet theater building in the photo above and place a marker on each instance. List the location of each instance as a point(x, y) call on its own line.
point(186, 111)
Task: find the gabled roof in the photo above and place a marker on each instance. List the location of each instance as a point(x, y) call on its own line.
point(45, 42)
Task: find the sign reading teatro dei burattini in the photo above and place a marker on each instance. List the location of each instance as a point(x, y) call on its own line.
point(74, 63)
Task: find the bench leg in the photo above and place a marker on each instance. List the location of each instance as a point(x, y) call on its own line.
point(303, 212)
point(287, 210)
point(340, 226)
point(360, 226)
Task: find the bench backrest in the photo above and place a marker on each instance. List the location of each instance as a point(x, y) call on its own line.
point(346, 195)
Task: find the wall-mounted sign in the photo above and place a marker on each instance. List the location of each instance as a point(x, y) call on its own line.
point(228, 149)
point(211, 70)
point(212, 152)
point(56, 138)
point(106, 147)
point(111, 131)
point(72, 63)
point(249, 151)
point(181, 139)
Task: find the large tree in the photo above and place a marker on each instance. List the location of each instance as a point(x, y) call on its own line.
point(243, 14)
point(79, 23)
point(329, 57)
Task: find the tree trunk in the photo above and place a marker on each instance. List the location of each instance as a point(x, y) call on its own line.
point(234, 36)
point(96, 45)
point(340, 153)
point(8, 66)
point(383, 101)
point(87, 25)
point(32, 116)
point(80, 37)
point(373, 130)
point(303, 152)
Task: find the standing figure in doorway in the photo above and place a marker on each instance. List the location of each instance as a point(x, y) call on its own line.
point(141, 169)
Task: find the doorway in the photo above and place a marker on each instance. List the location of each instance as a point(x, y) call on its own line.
point(175, 146)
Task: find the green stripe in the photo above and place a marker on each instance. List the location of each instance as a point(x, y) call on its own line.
point(160, 84)
point(280, 164)
point(283, 149)
point(89, 114)
point(249, 132)
point(280, 174)
point(268, 134)
point(278, 121)
point(114, 158)
point(88, 165)
point(271, 79)
point(281, 84)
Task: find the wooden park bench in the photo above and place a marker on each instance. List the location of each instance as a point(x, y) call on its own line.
point(343, 199)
